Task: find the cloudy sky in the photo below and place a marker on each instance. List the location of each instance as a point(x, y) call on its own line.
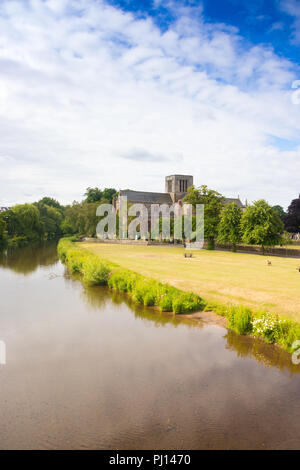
point(121, 93)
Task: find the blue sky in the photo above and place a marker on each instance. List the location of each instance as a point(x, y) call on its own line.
point(122, 93)
point(258, 21)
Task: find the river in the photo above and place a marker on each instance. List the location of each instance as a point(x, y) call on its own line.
point(87, 369)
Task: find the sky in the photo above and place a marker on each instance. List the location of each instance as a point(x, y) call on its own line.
point(120, 93)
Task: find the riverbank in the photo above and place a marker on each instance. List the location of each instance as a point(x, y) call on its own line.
point(218, 276)
point(96, 269)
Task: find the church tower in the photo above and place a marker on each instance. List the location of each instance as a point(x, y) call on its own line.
point(177, 186)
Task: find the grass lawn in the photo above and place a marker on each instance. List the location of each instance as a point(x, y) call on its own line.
point(218, 276)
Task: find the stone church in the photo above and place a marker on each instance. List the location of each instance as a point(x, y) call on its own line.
point(176, 187)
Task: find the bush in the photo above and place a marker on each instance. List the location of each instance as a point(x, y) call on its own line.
point(95, 272)
point(240, 320)
point(149, 299)
point(187, 302)
point(267, 326)
point(166, 303)
point(75, 260)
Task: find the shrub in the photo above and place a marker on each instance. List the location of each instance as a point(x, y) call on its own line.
point(149, 299)
point(166, 303)
point(75, 260)
point(187, 302)
point(268, 326)
point(95, 272)
point(240, 319)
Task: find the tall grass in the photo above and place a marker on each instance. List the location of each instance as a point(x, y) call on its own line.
point(240, 320)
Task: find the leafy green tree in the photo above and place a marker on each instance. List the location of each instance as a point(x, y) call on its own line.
point(93, 194)
point(229, 230)
point(11, 222)
point(213, 204)
point(280, 211)
point(2, 231)
point(97, 195)
point(49, 201)
point(81, 218)
point(108, 194)
point(51, 219)
point(261, 225)
point(28, 221)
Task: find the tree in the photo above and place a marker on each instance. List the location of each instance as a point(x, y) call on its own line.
point(81, 218)
point(23, 220)
point(97, 195)
point(292, 218)
point(229, 230)
point(49, 201)
point(280, 211)
point(261, 225)
point(108, 194)
point(51, 219)
point(213, 204)
point(2, 231)
point(11, 222)
point(93, 195)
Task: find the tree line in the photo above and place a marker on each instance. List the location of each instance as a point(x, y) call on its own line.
point(48, 219)
point(259, 224)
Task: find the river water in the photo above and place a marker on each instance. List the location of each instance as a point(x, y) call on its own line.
point(87, 369)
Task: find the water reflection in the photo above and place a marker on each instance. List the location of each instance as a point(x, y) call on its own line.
point(88, 368)
point(245, 346)
point(27, 259)
point(269, 355)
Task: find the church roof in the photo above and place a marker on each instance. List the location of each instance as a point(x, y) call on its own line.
point(145, 197)
point(160, 198)
point(237, 201)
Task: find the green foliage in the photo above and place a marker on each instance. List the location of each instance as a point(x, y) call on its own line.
point(97, 195)
point(229, 230)
point(166, 303)
point(279, 211)
point(27, 222)
point(49, 201)
point(95, 272)
point(270, 327)
point(187, 302)
point(240, 319)
point(51, 218)
point(2, 230)
point(261, 225)
point(93, 195)
point(170, 299)
point(143, 290)
point(286, 239)
point(221, 310)
point(213, 204)
point(81, 218)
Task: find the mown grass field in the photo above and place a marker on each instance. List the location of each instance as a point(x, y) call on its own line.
point(217, 276)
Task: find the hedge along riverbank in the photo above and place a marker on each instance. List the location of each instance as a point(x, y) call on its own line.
point(149, 292)
point(146, 291)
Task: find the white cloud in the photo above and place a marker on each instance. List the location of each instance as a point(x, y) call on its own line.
point(292, 8)
point(84, 85)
